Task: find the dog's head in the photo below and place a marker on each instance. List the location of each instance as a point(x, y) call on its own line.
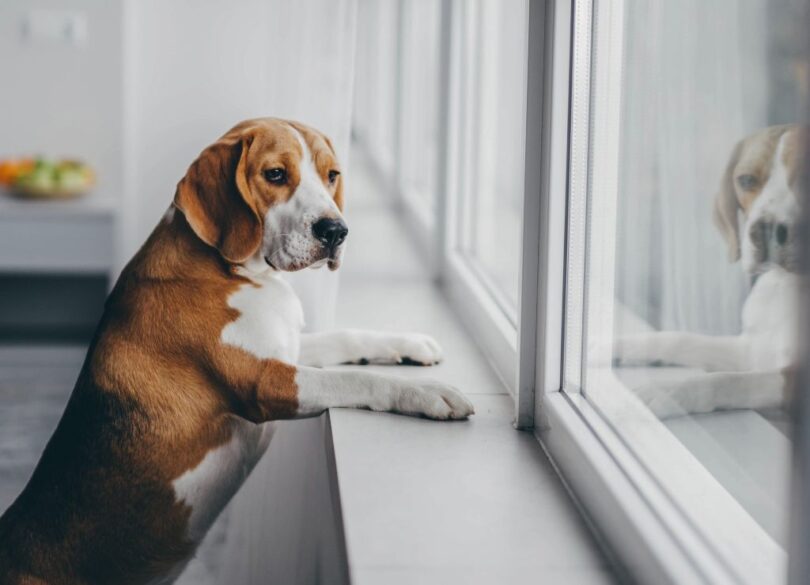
point(761, 185)
point(268, 191)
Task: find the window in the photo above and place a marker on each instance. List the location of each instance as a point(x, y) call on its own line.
point(485, 162)
point(568, 164)
point(458, 118)
point(490, 138)
point(674, 109)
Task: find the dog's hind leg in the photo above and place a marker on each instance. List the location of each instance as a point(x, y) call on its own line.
point(715, 391)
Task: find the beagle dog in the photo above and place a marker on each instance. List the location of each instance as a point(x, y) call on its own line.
point(199, 346)
point(757, 210)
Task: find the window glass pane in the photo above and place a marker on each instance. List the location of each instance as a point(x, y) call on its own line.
point(493, 125)
point(690, 268)
point(419, 95)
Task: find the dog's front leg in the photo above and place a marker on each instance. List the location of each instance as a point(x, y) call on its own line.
point(321, 389)
point(355, 346)
point(710, 392)
point(708, 352)
point(284, 391)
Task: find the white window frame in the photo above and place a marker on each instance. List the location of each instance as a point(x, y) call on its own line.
point(655, 539)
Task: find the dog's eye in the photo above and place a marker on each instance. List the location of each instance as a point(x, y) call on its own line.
point(333, 175)
point(276, 176)
point(747, 182)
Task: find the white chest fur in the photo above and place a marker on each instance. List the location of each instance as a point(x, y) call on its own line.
point(270, 320)
point(769, 319)
point(268, 326)
point(207, 488)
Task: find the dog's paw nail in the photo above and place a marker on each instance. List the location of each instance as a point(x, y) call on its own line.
point(419, 349)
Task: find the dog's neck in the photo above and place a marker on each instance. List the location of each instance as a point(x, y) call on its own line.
point(174, 252)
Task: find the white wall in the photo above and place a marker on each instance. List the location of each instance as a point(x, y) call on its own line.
point(194, 69)
point(64, 100)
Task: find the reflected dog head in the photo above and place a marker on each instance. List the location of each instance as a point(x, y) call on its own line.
point(757, 207)
point(268, 193)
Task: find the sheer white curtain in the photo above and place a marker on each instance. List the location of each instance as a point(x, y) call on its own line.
point(279, 525)
point(375, 105)
point(695, 82)
point(311, 80)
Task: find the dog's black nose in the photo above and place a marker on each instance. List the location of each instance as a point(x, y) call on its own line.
point(330, 232)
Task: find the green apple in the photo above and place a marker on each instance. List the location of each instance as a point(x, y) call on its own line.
point(69, 178)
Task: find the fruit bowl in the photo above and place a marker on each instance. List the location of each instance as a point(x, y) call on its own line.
point(46, 179)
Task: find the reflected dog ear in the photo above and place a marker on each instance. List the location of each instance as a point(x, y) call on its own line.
point(726, 208)
point(215, 198)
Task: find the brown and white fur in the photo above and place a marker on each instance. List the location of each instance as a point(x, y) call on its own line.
point(752, 370)
point(199, 345)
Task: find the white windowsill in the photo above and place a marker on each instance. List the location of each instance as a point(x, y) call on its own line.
point(475, 502)
point(432, 502)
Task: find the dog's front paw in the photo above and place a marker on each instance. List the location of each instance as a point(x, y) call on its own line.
point(671, 398)
point(417, 348)
point(631, 350)
point(435, 400)
point(412, 349)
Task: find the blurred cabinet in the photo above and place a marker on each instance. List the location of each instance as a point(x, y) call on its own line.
point(57, 261)
point(57, 237)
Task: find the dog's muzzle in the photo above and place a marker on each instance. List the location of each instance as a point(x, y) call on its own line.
point(330, 232)
point(774, 242)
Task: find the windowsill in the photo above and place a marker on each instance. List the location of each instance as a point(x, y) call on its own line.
point(432, 502)
point(466, 502)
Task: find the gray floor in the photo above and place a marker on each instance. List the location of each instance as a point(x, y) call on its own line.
point(35, 383)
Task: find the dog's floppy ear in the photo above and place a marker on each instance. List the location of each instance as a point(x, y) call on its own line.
point(215, 198)
point(726, 208)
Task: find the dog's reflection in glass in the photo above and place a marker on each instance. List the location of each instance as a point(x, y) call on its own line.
point(757, 211)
